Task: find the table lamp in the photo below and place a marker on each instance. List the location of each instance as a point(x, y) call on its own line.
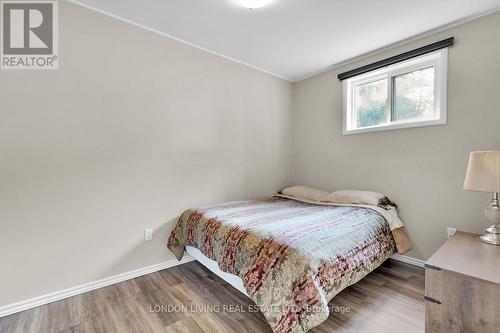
point(483, 175)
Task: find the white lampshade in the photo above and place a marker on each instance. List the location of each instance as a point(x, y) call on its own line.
point(483, 172)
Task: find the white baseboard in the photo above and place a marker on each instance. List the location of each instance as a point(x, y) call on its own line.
point(408, 260)
point(62, 294)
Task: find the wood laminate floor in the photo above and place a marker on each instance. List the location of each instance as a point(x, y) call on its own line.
point(388, 300)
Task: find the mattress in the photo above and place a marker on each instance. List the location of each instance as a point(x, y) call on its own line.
point(292, 257)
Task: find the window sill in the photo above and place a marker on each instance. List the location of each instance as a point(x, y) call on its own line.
point(394, 126)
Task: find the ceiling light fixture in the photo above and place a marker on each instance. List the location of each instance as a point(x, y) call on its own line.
point(252, 4)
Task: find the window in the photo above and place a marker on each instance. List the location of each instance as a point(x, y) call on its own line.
point(410, 93)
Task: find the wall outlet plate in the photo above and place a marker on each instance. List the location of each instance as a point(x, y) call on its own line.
point(148, 234)
point(451, 231)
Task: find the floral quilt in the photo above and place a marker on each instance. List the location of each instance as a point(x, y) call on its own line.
point(293, 257)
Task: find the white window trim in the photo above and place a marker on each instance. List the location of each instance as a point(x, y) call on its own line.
point(437, 59)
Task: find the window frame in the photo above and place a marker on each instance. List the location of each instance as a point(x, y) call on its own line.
point(437, 59)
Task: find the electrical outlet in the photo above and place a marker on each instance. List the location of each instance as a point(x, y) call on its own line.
point(451, 231)
point(148, 234)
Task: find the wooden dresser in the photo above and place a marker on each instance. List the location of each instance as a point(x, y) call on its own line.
point(462, 287)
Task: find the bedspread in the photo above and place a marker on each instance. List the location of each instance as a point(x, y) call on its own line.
point(293, 257)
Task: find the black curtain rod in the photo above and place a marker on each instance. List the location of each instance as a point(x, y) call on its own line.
point(397, 58)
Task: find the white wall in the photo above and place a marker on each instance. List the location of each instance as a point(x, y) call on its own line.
point(422, 169)
point(130, 131)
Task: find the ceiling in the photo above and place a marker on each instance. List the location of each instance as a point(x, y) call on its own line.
point(294, 38)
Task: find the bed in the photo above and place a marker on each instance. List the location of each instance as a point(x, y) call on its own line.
point(290, 257)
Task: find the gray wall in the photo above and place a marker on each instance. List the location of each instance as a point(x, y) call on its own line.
point(422, 169)
point(130, 131)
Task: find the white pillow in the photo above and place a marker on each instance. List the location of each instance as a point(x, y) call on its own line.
point(305, 192)
point(355, 197)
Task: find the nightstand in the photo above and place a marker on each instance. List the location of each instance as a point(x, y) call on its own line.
point(462, 286)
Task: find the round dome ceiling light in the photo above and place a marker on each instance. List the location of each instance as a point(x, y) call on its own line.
point(253, 4)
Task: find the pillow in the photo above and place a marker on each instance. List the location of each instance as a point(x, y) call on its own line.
point(355, 197)
point(304, 192)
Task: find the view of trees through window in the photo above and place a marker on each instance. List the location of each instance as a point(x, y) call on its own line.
point(413, 98)
point(414, 95)
point(371, 103)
